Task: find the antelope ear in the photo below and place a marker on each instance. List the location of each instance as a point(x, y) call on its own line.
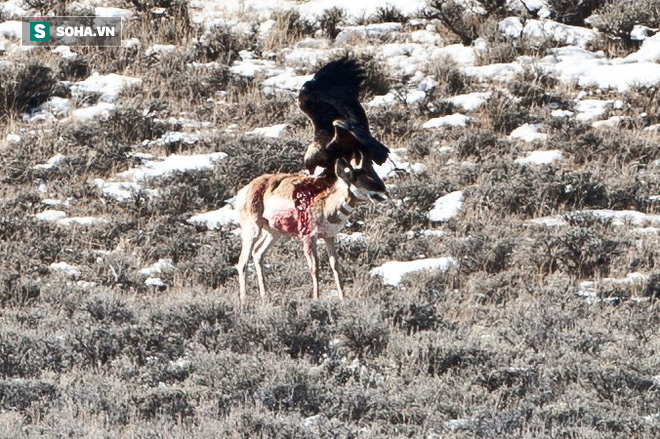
point(360, 160)
point(343, 169)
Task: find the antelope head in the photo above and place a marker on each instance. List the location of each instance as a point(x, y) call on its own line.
point(361, 178)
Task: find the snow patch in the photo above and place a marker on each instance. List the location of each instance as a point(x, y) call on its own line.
point(109, 86)
point(216, 219)
point(618, 218)
point(50, 215)
point(158, 49)
point(452, 120)
point(157, 267)
point(529, 133)
point(540, 157)
point(175, 138)
point(561, 113)
point(172, 163)
point(589, 290)
point(287, 80)
point(349, 34)
point(457, 52)
point(575, 65)
point(52, 162)
point(65, 52)
point(122, 190)
point(101, 110)
point(13, 138)
point(542, 30)
point(397, 163)
point(511, 27)
point(59, 217)
point(446, 207)
point(393, 272)
point(354, 237)
point(590, 109)
point(67, 269)
point(249, 67)
point(272, 132)
point(612, 122)
point(81, 221)
point(469, 101)
point(154, 282)
point(101, 11)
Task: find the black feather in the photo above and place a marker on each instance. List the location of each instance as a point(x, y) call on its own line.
point(341, 128)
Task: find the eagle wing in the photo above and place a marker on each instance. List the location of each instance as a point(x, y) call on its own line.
point(350, 137)
point(330, 99)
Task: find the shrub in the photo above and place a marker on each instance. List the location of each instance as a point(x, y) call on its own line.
point(443, 359)
point(376, 79)
point(481, 253)
point(451, 79)
point(617, 18)
point(504, 113)
point(395, 122)
point(507, 188)
point(23, 395)
point(413, 317)
point(620, 151)
point(646, 97)
point(577, 251)
point(306, 332)
point(24, 356)
point(24, 87)
point(110, 310)
point(295, 391)
point(389, 14)
point(462, 20)
point(330, 20)
point(131, 125)
point(173, 25)
point(47, 7)
point(187, 84)
point(73, 69)
point(18, 291)
point(532, 86)
point(652, 288)
point(174, 403)
point(481, 144)
point(289, 28)
point(365, 335)
point(573, 12)
point(499, 48)
point(417, 195)
point(220, 44)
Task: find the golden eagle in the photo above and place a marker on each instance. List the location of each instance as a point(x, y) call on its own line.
point(341, 129)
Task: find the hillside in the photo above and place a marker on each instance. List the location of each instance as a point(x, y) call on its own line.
point(508, 288)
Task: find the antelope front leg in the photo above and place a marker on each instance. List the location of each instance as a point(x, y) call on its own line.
point(309, 247)
point(332, 258)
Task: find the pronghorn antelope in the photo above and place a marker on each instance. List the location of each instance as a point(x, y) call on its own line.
point(274, 205)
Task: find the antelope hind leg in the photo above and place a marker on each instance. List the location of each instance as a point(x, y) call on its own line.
point(266, 240)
